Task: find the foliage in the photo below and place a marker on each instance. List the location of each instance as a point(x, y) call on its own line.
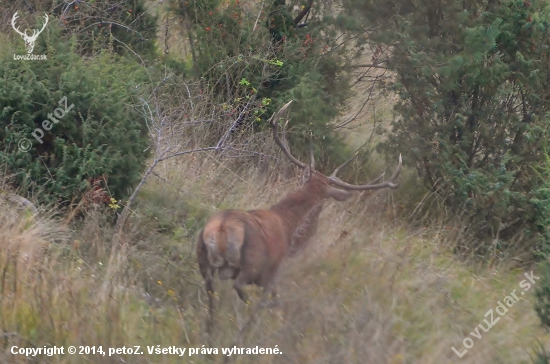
point(249, 59)
point(126, 27)
point(540, 204)
point(474, 101)
point(542, 295)
point(541, 355)
point(99, 135)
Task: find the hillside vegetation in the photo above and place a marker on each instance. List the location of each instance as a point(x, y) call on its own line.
point(169, 124)
point(367, 289)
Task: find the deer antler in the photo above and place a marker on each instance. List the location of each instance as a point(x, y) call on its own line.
point(35, 32)
point(280, 143)
point(13, 19)
point(46, 18)
point(333, 175)
point(312, 156)
point(391, 183)
point(374, 185)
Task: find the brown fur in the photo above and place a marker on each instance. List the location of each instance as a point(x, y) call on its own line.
point(305, 231)
point(249, 246)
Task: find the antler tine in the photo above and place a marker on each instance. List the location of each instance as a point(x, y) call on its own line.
point(282, 144)
point(378, 179)
point(311, 151)
point(373, 185)
point(13, 19)
point(333, 175)
point(284, 134)
point(46, 18)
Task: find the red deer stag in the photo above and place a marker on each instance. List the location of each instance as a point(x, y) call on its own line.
point(248, 246)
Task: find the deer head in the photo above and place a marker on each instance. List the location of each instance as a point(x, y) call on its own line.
point(29, 39)
point(316, 178)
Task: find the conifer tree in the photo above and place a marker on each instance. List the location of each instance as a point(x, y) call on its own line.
point(76, 118)
point(472, 79)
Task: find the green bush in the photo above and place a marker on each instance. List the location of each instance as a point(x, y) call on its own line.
point(126, 27)
point(542, 307)
point(542, 294)
point(260, 69)
point(99, 135)
point(474, 101)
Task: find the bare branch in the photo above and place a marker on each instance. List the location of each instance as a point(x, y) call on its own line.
point(370, 66)
point(258, 18)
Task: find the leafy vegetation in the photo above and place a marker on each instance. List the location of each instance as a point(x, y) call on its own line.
point(76, 117)
point(184, 130)
point(248, 60)
point(473, 109)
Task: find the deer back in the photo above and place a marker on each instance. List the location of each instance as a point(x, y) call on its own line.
point(233, 238)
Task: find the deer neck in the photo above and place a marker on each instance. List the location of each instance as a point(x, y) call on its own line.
point(295, 207)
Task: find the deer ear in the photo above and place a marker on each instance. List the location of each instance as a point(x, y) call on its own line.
point(337, 194)
point(307, 174)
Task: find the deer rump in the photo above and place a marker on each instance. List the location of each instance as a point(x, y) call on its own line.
point(234, 241)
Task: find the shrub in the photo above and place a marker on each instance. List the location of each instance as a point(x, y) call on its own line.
point(126, 27)
point(257, 64)
point(474, 103)
point(99, 135)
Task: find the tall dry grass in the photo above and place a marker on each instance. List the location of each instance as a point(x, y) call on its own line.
point(366, 290)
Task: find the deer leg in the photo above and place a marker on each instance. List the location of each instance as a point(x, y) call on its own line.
point(269, 284)
point(241, 281)
point(210, 291)
point(208, 275)
point(207, 272)
point(274, 294)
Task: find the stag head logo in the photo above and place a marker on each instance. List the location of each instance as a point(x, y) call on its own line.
point(29, 39)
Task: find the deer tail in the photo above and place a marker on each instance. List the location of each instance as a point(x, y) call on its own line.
point(212, 243)
point(223, 239)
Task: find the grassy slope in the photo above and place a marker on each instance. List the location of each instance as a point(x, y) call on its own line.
point(367, 290)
